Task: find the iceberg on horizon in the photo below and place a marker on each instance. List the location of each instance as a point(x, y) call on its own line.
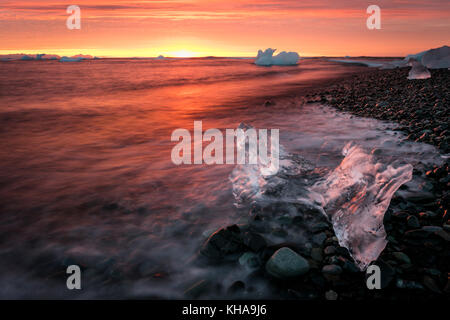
point(366, 63)
point(76, 58)
point(284, 58)
point(26, 58)
point(67, 59)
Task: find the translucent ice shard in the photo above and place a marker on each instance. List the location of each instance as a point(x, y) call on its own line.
point(355, 197)
point(418, 71)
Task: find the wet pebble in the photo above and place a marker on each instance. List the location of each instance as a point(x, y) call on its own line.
point(285, 263)
point(332, 269)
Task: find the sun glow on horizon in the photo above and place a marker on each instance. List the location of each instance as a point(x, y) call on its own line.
point(182, 54)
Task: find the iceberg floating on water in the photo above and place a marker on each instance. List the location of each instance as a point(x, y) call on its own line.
point(284, 58)
point(26, 58)
point(366, 63)
point(76, 58)
point(67, 59)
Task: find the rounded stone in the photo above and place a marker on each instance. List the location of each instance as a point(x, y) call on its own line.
point(332, 269)
point(330, 250)
point(331, 295)
point(285, 263)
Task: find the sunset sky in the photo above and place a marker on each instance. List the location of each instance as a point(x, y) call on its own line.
point(127, 28)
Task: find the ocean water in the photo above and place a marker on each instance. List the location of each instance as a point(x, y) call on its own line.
point(87, 176)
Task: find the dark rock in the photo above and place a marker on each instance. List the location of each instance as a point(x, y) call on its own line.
point(332, 269)
point(443, 235)
point(402, 257)
point(269, 103)
point(432, 272)
point(329, 250)
point(237, 287)
point(279, 232)
point(249, 260)
point(343, 252)
point(431, 284)
point(417, 234)
point(431, 229)
point(286, 263)
point(319, 227)
point(406, 284)
point(331, 295)
point(254, 241)
point(400, 215)
point(413, 222)
point(316, 254)
point(225, 244)
point(349, 266)
point(319, 238)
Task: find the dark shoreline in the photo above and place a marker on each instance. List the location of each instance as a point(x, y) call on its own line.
point(422, 109)
point(414, 264)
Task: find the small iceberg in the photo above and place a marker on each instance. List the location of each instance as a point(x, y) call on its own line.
point(418, 71)
point(26, 58)
point(67, 59)
point(284, 58)
point(29, 57)
point(366, 63)
point(76, 58)
point(160, 57)
point(353, 197)
point(438, 58)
